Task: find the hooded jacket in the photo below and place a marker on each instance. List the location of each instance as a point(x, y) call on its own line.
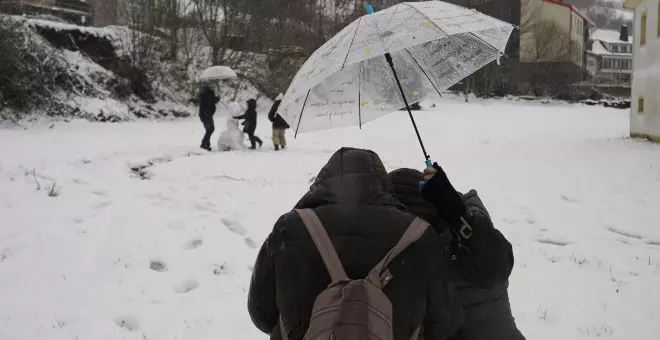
point(481, 275)
point(207, 102)
point(250, 116)
point(350, 196)
point(273, 116)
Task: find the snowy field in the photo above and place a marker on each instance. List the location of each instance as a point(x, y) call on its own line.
point(144, 237)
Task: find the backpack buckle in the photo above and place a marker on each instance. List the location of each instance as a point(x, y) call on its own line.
point(466, 230)
point(385, 278)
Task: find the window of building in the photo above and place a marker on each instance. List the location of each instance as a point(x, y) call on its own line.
point(640, 105)
point(642, 33)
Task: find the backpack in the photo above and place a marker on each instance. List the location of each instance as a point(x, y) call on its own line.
point(353, 309)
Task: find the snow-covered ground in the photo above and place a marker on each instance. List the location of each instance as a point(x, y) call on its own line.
point(113, 256)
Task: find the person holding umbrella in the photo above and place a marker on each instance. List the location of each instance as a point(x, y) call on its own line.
point(250, 123)
point(482, 258)
point(362, 223)
point(208, 99)
point(207, 102)
point(279, 124)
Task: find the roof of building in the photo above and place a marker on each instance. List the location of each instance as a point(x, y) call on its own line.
point(609, 36)
point(632, 4)
point(572, 8)
point(599, 49)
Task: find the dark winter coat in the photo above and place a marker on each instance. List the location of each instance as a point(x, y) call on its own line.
point(273, 116)
point(364, 222)
point(481, 275)
point(250, 116)
point(207, 102)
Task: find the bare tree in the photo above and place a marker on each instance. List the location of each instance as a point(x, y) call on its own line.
point(552, 42)
point(143, 43)
point(225, 23)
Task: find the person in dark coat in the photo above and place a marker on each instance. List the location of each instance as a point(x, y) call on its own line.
point(250, 123)
point(207, 102)
point(350, 196)
point(482, 257)
point(279, 125)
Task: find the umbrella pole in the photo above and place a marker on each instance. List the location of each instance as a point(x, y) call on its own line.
point(419, 137)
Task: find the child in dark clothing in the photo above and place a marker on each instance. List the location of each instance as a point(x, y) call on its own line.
point(250, 123)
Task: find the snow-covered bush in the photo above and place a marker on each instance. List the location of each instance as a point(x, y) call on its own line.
point(30, 71)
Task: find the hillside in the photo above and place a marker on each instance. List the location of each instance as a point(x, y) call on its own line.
point(58, 70)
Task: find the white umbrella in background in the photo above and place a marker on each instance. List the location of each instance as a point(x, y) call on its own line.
point(383, 61)
point(214, 75)
point(217, 73)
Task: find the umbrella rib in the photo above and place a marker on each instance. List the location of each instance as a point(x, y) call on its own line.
point(396, 9)
point(301, 113)
point(422, 13)
point(421, 68)
point(351, 44)
point(360, 95)
point(436, 25)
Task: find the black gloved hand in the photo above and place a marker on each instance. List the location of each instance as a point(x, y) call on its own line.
point(446, 200)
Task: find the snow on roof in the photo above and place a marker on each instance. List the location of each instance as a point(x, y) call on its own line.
point(609, 36)
point(599, 49)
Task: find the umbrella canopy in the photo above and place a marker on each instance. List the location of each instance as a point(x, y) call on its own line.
point(433, 45)
point(216, 73)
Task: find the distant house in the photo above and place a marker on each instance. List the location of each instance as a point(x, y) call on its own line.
point(77, 11)
point(645, 116)
point(553, 31)
point(610, 57)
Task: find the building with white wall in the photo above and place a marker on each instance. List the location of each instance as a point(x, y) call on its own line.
point(609, 57)
point(645, 102)
point(566, 37)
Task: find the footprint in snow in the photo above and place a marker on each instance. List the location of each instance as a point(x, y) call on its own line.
point(205, 207)
point(193, 244)
point(186, 286)
point(234, 227)
point(158, 266)
point(557, 243)
point(128, 322)
point(219, 269)
point(99, 193)
point(569, 199)
point(250, 243)
point(102, 205)
point(625, 233)
point(5, 254)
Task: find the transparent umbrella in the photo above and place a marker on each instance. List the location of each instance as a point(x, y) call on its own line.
point(383, 61)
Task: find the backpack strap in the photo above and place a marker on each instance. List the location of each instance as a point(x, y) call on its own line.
point(285, 336)
point(416, 229)
point(323, 244)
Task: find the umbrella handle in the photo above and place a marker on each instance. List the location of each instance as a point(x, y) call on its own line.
point(429, 163)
